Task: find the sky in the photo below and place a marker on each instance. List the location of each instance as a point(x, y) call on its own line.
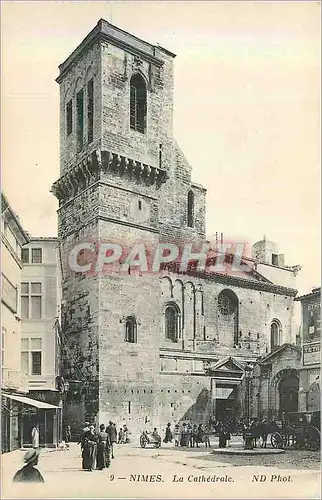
point(246, 110)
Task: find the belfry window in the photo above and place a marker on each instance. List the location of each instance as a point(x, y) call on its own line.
point(90, 110)
point(69, 117)
point(80, 119)
point(138, 103)
point(191, 202)
point(131, 330)
point(172, 322)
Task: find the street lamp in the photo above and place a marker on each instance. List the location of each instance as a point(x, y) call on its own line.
point(248, 434)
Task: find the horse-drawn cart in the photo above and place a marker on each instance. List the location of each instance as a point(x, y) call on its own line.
point(148, 438)
point(301, 430)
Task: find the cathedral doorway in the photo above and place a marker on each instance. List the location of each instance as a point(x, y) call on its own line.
point(288, 393)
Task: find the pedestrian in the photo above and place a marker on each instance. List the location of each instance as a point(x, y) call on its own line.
point(112, 432)
point(35, 436)
point(89, 445)
point(121, 436)
point(189, 436)
point(264, 432)
point(199, 437)
point(206, 437)
point(222, 435)
point(228, 436)
point(176, 435)
point(67, 435)
point(195, 436)
point(28, 473)
point(183, 439)
point(103, 449)
point(126, 434)
point(168, 434)
point(83, 432)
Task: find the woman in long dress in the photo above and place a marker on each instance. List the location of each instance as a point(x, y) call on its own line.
point(35, 436)
point(89, 445)
point(103, 449)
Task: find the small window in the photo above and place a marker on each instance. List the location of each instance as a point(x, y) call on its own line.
point(140, 205)
point(137, 103)
point(25, 255)
point(274, 259)
point(24, 344)
point(36, 344)
point(160, 155)
point(36, 363)
point(36, 255)
point(80, 119)
point(130, 330)
point(69, 117)
point(275, 335)
point(129, 407)
point(190, 209)
point(90, 110)
point(172, 318)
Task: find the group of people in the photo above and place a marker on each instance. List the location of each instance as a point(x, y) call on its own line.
point(97, 446)
point(187, 435)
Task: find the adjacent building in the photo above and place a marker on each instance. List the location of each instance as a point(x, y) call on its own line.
point(310, 383)
point(13, 237)
point(40, 340)
point(28, 346)
point(153, 346)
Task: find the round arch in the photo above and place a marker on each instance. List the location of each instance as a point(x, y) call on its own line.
point(172, 321)
point(283, 392)
point(275, 334)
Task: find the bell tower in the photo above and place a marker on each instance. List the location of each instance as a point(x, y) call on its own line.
point(115, 154)
point(123, 180)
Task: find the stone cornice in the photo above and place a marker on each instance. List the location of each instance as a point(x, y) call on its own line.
point(237, 281)
point(105, 31)
point(89, 171)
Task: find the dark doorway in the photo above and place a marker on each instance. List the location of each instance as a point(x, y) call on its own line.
point(288, 390)
point(224, 409)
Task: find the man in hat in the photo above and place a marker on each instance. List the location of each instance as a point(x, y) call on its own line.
point(28, 473)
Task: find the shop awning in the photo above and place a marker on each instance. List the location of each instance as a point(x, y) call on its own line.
point(31, 402)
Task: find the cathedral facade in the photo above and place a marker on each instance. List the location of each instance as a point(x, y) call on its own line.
point(166, 345)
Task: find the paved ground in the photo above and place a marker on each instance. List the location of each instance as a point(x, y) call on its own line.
point(169, 472)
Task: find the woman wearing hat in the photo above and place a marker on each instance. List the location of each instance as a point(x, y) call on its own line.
point(29, 473)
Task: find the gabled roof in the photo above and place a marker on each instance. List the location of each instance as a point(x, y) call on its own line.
point(228, 364)
point(277, 351)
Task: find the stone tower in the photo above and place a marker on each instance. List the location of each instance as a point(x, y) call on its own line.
point(122, 179)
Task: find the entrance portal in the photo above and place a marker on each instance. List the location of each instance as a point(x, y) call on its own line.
point(288, 391)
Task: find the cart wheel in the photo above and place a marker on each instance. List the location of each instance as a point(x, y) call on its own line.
point(312, 439)
point(142, 441)
point(277, 441)
point(158, 444)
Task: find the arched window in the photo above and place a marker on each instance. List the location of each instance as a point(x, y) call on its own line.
point(130, 330)
point(228, 308)
point(191, 202)
point(138, 103)
point(275, 335)
point(172, 325)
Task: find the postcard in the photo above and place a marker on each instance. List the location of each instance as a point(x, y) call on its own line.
point(160, 250)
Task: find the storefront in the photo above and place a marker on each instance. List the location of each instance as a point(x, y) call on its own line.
point(21, 414)
point(309, 392)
